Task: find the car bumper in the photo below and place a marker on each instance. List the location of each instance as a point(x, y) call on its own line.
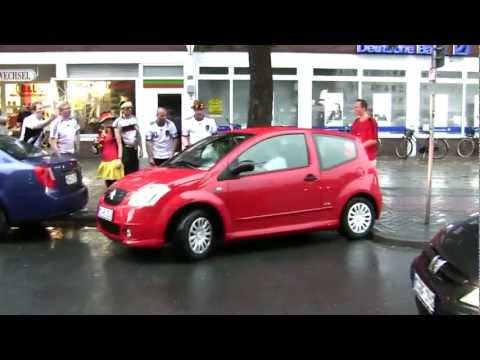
point(446, 294)
point(51, 206)
point(135, 228)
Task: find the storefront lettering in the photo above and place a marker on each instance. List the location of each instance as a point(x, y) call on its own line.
point(17, 75)
point(457, 50)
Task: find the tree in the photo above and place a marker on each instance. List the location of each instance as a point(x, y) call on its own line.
point(261, 86)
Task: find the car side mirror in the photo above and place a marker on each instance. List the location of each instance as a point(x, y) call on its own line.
point(242, 167)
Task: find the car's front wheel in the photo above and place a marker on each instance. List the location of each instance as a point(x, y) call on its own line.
point(4, 227)
point(195, 235)
point(358, 218)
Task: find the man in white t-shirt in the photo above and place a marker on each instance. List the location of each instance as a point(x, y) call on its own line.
point(126, 126)
point(33, 125)
point(65, 132)
point(198, 128)
point(161, 139)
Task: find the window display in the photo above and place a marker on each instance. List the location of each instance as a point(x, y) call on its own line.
point(387, 102)
point(332, 103)
point(216, 95)
point(90, 99)
point(448, 105)
point(285, 103)
point(241, 91)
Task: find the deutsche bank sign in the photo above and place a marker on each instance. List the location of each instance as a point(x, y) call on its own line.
point(458, 50)
point(398, 50)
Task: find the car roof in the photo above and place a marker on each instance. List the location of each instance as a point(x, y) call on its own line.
point(289, 129)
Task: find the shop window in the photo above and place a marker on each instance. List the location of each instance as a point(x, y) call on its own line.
point(284, 71)
point(214, 70)
point(90, 99)
point(448, 104)
point(335, 72)
point(216, 96)
point(242, 71)
point(241, 91)
point(163, 71)
point(472, 106)
point(332, 103)
point(285, 103)
point(384, 73)
point(334, 151)
point(387, 102)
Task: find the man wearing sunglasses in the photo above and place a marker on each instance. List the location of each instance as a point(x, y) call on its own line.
point(33, 125)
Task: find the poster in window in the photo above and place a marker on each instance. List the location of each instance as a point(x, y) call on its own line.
point(382, 108)
point(476, 115)
point(215, 106)
point(441, 110)
point(333, 109)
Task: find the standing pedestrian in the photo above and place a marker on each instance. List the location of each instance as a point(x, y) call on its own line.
point(198, 128)
point(109, 145)
point(161, 138)
point(65, 132)
point(34, 125)
point(126, 127)
point(365, 127)
point(3, 125)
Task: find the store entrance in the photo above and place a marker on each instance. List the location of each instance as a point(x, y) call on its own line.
point(173, 104)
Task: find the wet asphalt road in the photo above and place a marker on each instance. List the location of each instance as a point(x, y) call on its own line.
point(78, 271)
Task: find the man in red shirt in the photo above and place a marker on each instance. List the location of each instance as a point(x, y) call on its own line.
point(365, 127)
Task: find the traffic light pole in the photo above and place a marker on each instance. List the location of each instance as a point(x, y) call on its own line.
point(431, 142)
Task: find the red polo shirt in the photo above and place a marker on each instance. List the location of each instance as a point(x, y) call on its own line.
point(367, 130)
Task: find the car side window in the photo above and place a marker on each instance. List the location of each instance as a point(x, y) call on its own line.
point(334, 150)
point(277, 153)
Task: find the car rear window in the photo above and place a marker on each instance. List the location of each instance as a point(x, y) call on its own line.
point(334, 150)
point(18, 149)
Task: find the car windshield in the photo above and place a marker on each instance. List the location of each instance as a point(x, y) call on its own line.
point(18, 149)
point(206, 153)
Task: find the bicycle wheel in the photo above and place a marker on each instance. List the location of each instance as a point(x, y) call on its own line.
point(404, 148)
point(440, 149)
point(465, 148)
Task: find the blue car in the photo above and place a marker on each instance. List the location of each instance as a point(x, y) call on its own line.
point(35, 186)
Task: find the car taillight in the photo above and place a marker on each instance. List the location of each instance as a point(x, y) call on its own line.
point(45, 176)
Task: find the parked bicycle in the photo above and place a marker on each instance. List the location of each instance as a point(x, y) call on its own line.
point(404, 148)
point(466, 147)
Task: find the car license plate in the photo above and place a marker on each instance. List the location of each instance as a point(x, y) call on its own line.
point(105, 214)
point(426, 296)
point(71, 179)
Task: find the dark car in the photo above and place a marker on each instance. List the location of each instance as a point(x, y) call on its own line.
point(35, 186)
point(445, 276)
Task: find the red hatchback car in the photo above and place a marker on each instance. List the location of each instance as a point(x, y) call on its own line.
point(248, 183)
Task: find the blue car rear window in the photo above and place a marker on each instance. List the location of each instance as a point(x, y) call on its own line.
point(18, 149)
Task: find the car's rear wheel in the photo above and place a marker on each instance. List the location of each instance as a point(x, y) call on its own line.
point(195, 235)
point(358, 218)
point(4, 227)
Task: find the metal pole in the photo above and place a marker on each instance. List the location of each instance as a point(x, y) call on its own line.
point(431, 137)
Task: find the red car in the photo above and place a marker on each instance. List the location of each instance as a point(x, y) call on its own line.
point(250, 183)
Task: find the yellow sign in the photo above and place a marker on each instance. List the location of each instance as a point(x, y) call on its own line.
point(215, 106)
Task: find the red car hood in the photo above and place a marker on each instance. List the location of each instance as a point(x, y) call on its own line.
point(168, 176)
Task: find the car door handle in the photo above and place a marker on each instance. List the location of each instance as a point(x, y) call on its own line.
point(310, 178)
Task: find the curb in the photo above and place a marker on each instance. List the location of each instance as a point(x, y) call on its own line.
point(380, 238)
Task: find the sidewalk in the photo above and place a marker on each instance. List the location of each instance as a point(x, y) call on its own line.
point(455, 195)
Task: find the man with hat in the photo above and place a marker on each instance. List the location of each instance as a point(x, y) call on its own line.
point(198, 128)
point(126, 127)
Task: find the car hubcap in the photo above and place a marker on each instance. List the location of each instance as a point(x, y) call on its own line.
point(359, 218)
point(200, 235)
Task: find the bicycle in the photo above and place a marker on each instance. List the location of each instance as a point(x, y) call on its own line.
point(466, 147)
point(404, 148)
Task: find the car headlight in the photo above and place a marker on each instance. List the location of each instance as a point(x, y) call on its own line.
point(471, 298)
point(148, 195)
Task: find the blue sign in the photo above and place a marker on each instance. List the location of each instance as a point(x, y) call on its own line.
point(387, 49)
point(462, 50)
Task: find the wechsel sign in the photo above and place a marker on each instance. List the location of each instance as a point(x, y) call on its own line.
point(18, 75)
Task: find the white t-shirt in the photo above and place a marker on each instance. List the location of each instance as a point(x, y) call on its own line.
point(30, 122)
point(127, 129)
point(65, 132)
point(199, 130)
point(162, 138)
